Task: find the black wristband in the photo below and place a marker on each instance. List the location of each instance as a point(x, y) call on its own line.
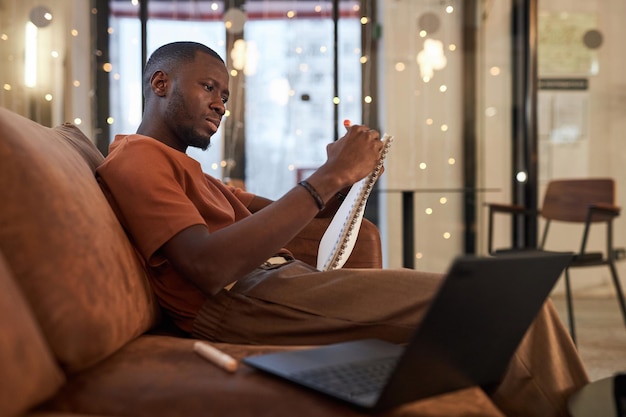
point(316, 196)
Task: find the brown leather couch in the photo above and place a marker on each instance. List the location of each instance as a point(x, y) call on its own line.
point(81, 333)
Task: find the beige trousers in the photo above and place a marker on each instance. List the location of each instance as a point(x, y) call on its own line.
point(294, 304)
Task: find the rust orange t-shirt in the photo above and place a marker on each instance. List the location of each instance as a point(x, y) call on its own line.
point(156, 192)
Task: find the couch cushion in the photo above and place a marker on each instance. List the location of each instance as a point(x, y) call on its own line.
point(82, 144)
point(29, 371)
point(64, 245)
point(162, 376)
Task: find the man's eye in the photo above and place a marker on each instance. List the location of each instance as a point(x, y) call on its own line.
point(208, 87)
point(224, 100)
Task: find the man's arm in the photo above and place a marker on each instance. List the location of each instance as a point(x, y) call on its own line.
point(258, 203)
point(331, 205)
point(214, 260)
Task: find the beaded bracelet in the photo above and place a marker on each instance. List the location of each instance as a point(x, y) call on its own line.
point(316, 196)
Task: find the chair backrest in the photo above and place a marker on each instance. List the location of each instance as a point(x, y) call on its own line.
point(568, 200)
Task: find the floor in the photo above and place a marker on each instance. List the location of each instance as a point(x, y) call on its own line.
point(600, 333)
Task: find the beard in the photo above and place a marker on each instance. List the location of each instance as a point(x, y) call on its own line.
point(178, 111)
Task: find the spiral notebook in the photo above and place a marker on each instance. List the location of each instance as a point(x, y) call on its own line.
point(338, 241)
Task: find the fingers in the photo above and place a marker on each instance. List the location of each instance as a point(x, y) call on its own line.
point(360, 129)
point(366, 133)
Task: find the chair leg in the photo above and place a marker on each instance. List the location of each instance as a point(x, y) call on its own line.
point(618, 289)
point(570, 310)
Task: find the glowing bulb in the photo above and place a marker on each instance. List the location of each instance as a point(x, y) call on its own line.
point(30, 56)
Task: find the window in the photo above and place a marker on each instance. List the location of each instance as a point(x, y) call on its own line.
point(284, 55)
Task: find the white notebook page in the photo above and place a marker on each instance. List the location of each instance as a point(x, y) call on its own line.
point(338, 241)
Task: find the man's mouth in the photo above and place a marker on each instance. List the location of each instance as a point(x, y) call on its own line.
point(213, 124)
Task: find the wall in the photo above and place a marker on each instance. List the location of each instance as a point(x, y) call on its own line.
point(63, 90)
point(410, 103)
point(423, 112)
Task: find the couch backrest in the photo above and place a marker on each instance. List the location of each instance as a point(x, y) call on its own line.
point(30, 373)
point(68, 253)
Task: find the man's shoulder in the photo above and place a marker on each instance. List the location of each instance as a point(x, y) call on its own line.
point(138, 150)
point(136, 142)
point(136, 154)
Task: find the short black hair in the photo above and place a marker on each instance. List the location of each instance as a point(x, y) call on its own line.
point(170, 55)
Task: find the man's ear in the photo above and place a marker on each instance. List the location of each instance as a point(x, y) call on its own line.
point(159, 83)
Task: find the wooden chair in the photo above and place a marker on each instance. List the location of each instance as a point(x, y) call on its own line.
point(588, 202)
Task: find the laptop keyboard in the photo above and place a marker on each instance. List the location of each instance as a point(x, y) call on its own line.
point(352, 379)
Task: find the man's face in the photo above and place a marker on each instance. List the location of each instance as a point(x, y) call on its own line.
point(196, 101)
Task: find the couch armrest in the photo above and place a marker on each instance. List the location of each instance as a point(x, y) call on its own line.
point(367, 252)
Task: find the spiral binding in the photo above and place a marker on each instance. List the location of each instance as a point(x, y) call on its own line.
point(358, 208)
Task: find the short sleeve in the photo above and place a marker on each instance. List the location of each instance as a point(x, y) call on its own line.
point(146, 185)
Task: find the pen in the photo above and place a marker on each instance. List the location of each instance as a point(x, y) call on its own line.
point(215, 356)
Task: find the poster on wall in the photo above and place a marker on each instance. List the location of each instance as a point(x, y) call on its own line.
point(563, 133)
point(567, 43)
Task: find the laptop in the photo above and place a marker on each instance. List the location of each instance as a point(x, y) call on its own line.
point(467, 337)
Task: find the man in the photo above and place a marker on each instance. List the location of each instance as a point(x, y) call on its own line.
point(215, 254)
